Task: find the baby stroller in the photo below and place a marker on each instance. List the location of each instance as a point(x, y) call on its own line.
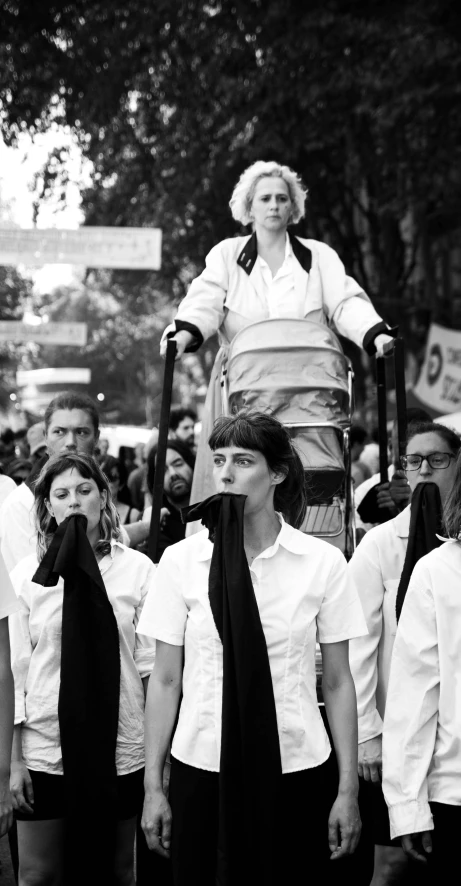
point(296, 370)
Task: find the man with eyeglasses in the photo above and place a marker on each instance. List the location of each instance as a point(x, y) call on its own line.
point(394, 495)
point(376, 568)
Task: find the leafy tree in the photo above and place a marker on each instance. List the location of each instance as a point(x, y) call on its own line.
point(172, 100)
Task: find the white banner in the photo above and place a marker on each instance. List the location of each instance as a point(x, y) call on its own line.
point(439, 383)
point(44, 333)
point(94, 247)
point(68, 375)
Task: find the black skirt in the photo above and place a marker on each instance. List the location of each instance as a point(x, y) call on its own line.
point(305, 801)
point(50, 796)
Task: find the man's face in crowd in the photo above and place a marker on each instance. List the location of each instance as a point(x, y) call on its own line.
point(71, 430)
point(186, 431)
point(103, 445)
point(178, 477)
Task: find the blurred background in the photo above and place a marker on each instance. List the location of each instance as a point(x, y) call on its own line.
point(144, 115)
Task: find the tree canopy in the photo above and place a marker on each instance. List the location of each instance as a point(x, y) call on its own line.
point(172, 100)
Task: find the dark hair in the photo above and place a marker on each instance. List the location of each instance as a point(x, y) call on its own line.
point(181, 448)
point(7, 437)
point(178, 413)
point(88, 468)
point(111, 464)
point(357, 434)
point(260, 432)
point(415, 413)
point(71, 400)
point(451, 438)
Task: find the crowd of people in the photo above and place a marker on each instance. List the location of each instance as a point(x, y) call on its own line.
point(181, 694)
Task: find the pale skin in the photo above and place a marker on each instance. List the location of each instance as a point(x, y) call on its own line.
point(271, 213)
point(370, 752)
point(72, 430)
point(247, 472)
point(185, 431)
point(41, 842)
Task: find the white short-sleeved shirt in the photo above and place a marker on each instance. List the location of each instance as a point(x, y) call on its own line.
point(35, 633)
point(9, 602)
point(303, 592)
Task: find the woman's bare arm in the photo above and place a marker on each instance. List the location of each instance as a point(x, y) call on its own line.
point(162, 701)
point(341, 708)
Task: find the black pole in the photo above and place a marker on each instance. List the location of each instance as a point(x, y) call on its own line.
point(382, 418)
point(157, 493)
point(400, 398)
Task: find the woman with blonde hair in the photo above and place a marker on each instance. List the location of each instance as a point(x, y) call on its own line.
point(267, 274)
point(79, 666)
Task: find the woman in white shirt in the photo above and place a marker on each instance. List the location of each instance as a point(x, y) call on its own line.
point(422, 726)
point(268, 274)
point(299, 590)
point(71, 493)
point(9, 603)
point(376, 569)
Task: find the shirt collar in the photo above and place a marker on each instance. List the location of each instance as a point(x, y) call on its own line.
point(288, 252)
point(114, 543)
point(289, 538)
point(402, 523)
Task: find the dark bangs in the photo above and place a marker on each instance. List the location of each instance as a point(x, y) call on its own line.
point(239, 430)
point(260, 432)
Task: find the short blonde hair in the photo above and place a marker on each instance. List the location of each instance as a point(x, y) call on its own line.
point(242, 196)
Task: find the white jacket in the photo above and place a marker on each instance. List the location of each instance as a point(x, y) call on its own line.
point(224, 298)
point(376, 568)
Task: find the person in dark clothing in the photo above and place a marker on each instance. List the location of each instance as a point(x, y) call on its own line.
point(179, 470)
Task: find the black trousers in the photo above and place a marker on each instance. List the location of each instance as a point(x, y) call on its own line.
point(444, 860)
point(302, 853)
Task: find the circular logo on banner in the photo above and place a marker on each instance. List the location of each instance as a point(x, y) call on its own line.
point(435, 364)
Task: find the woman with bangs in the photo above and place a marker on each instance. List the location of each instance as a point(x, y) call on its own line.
point(267, 274)
point(235, 611)
point(78, 665)
point(422, 726)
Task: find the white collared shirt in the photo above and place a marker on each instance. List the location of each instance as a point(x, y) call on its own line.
point(422, 726)
point(35, 633)
point(376, 567)
point(7, 486)
point(17, 529)
point(9, 602)
point(303, 591)
point(279, 290)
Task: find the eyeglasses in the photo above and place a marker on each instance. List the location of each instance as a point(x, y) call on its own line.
point(436, 460)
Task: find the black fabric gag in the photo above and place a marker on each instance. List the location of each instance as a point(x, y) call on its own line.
point(250, 764)
point(88, 704)
point(425, 525)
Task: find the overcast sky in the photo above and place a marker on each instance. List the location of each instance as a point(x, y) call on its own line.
point(18, 166)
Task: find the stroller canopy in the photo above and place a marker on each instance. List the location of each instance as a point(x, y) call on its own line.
point(294, 369)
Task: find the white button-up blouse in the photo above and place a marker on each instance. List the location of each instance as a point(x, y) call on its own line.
point(9, 602)
point(376, 568)
point(422, 725)
point(35, 633)
point(303, 592)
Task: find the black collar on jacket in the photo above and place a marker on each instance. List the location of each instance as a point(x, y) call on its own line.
point(249, 254)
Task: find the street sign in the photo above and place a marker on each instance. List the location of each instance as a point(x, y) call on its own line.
point(94, 247)
point(68, 375)
point(44, 333)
